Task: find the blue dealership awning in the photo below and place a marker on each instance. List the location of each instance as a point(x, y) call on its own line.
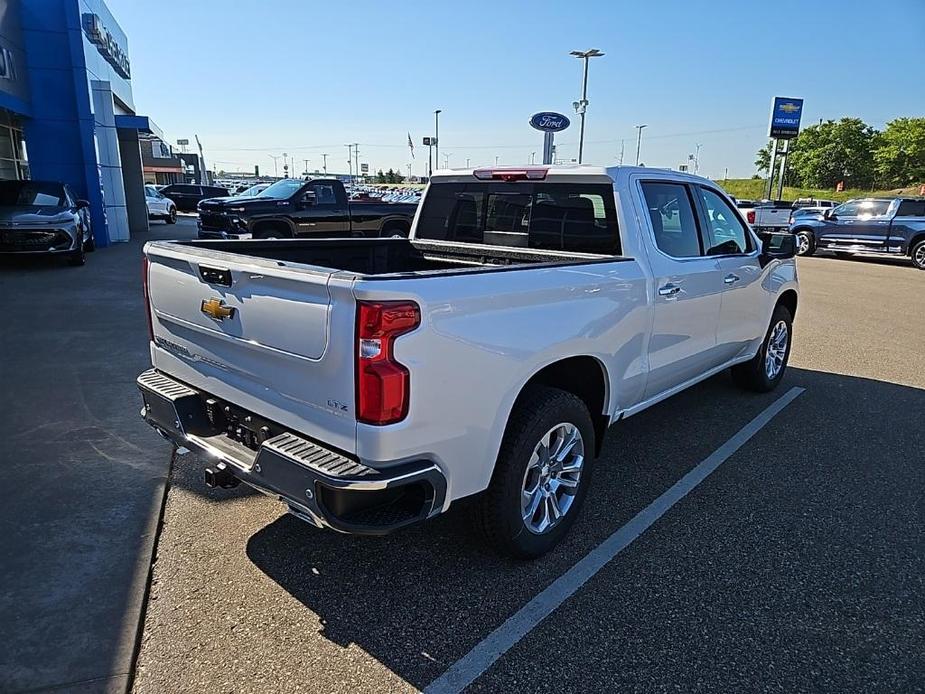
point(142, 124)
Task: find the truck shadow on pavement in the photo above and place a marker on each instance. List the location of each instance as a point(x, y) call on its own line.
point(420, 599)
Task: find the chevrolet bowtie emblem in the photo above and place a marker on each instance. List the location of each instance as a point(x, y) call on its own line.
point(215, 308)
point(789, 107)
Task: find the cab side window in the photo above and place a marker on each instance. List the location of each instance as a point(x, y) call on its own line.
point(725, 233)
point(911, 208)
point(674, 223)
point(324, 194)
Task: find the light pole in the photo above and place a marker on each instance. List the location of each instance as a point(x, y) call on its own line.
point(437, 135)
point(639, 140)
point(275, 158)
point(325, 157)
point(467, 162)
point(496, 159)
point(532, 157)
point(349, 161)
point(306, 166)
point(582, 106)
point(446, 160)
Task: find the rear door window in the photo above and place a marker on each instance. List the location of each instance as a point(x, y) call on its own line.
point(577, 218)
point(911, 208)
point(674, 224)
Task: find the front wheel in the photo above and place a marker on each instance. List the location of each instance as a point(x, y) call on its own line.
point(171, 216)
point(541, 476)
point(806, 244)
point(762, 373)
point(918, 255)
point(78, 256)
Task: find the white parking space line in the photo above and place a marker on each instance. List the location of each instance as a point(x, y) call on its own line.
point(497, 643)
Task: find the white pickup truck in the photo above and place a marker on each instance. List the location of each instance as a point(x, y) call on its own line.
point(370, 383)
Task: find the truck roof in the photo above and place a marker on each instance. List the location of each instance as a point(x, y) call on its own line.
point(561, 172)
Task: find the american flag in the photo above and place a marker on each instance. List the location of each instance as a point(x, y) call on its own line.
point(411, 145)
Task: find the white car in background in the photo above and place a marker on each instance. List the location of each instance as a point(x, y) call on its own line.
point(159, 205)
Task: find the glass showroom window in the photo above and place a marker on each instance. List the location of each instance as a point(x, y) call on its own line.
point(14, 162)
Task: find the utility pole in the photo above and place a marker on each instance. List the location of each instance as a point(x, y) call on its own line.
point(725, 173)
point(306, 167)
point(437, 135)
point(582, 106)
point(409, 171)
point(639, 140)
point(275, 158)
point(356, 159)
point(349, 161)
point(325, 157)
point(622, 148)
point(697, 160)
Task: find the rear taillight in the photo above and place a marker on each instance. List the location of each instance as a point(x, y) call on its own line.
point(383, 385)
point(144, 283)
point(750, 216)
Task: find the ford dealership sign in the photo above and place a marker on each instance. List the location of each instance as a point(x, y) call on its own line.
point(549, 122)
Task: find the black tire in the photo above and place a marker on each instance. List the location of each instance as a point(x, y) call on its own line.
point(918, 255)
point(497, 511)
point(753, 375)
point(171, 217)
point(272, 232)
point(78, 256)
point(805, 242)
point(394, 229)
point(89, 241)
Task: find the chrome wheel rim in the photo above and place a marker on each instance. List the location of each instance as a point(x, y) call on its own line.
point(551, 479)
point(777, 350)
point(919, 257)
point(802, 243)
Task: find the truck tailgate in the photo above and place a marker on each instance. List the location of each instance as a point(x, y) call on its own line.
point(260, 334)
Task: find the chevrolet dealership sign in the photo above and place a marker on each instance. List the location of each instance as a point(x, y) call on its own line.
point(785, 117)
point(107, 45)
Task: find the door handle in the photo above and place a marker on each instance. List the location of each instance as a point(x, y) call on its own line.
point(731, 278)
point(669, 290)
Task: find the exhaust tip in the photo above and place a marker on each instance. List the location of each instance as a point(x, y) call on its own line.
point(220, 476)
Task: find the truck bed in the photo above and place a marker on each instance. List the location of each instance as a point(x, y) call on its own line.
point(394, 256)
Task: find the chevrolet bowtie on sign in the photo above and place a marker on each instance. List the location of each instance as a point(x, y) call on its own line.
point(215, 308)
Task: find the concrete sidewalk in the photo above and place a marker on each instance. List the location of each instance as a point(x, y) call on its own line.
point(83, 475)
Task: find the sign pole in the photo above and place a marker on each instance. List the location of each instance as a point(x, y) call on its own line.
point(783, 170)
point(548, 138)
point(770, 187)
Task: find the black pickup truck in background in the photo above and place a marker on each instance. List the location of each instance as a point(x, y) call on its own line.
point(293, 208)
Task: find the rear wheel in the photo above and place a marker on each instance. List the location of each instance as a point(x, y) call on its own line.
point(806, 243)
point(765, 371)
point(918, 255)
point(541, 476)
point(395, 229)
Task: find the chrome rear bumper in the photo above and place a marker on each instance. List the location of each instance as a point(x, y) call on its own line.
point(320, 485)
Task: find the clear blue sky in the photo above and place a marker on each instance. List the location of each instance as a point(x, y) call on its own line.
point(260, 78)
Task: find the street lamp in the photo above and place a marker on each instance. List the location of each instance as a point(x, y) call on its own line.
point(639, 140)
point(437, 135)
point(275, 158)
point(582, 106)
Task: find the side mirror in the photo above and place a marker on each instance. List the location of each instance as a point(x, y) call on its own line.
point(780, 246)
point(308, 198)
point(82, 204)
point(830, 214)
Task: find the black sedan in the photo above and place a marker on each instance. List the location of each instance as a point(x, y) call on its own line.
point(44, 217)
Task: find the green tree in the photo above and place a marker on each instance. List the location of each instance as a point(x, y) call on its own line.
point(900, 156)
point(390, 176)
point(380, 177)
point(763, 159)
point(834, 151)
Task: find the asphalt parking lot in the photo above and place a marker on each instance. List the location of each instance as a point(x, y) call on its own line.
point(797, 565)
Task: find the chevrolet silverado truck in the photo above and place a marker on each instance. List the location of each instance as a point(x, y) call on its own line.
point(892, 227)
point(369, 384)
point(293, 208)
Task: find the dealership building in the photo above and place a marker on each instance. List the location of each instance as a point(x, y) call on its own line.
point(67, 112)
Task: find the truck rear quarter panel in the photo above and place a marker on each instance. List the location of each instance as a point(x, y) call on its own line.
point(483, 337)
